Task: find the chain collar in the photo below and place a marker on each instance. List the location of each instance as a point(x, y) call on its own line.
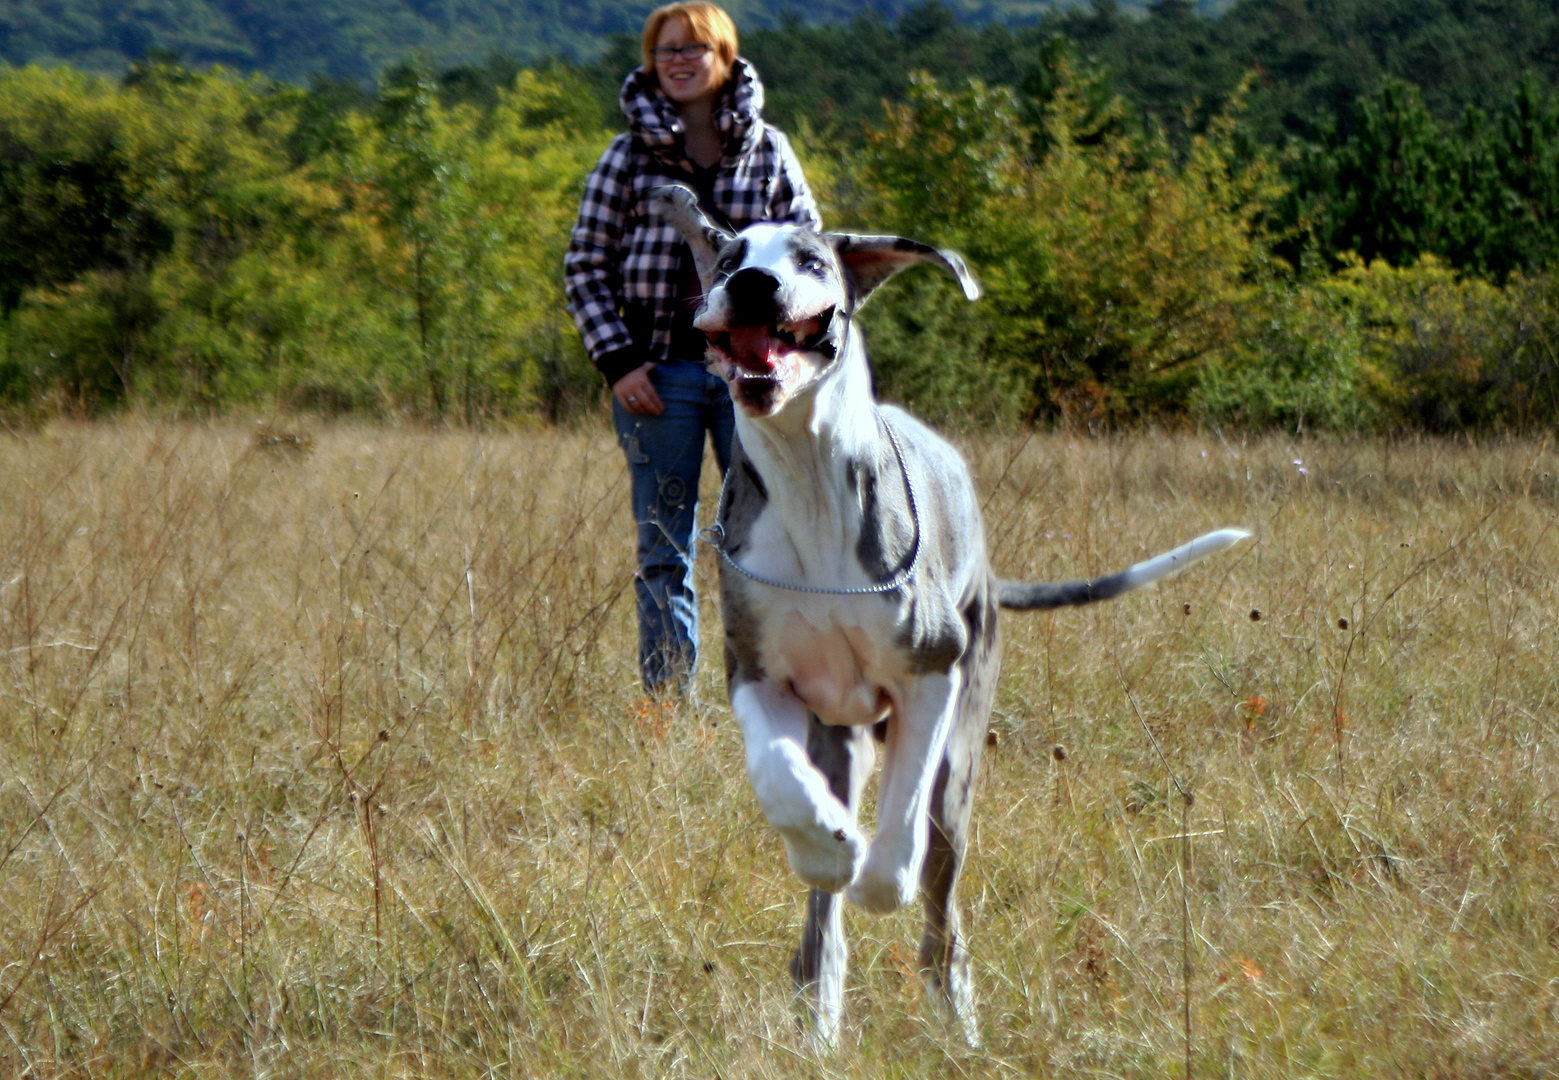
point(714, 536)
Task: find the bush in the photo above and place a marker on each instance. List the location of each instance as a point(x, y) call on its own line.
point(73, 348)
point(1460, 352)
point(1297, 365)
point(1381, 347)
point(1112, 270)
point(411, 266)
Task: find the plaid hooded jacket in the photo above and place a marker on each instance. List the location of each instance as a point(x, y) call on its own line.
point(622, 267)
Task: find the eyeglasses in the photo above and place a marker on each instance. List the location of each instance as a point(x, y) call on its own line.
point(693, 51)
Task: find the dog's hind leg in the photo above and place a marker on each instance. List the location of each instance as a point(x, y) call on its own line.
point(825, 846)
point(844, 756)
point(944, 958)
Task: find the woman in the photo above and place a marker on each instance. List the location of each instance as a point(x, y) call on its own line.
point(694, 118)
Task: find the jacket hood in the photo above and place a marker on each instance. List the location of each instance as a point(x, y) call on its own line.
point(652, 116)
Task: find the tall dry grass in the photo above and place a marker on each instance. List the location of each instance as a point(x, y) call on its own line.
point(330, 761)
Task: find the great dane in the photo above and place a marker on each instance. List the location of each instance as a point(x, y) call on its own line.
point(856, 591)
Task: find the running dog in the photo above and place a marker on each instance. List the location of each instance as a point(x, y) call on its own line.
point(856, 591)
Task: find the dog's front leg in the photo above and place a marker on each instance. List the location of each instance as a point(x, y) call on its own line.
point(917, 738)
point(844, 755)
point(826, 848)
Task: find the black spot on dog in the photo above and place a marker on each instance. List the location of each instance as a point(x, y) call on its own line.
point(888, 531)
point(731, 257)
point(745, 497)
point(757, 392)
point(812, 254)
point(755, 479)
point(975, 617)
point(868, 548)
point(741, 635)
point(936, 637)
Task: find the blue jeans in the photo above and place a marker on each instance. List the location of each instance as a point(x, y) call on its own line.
point(665, 454)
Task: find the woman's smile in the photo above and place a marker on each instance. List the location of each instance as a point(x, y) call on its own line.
point(683, 79)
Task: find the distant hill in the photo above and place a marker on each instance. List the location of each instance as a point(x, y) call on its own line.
point(833, 62)
point(355, 39)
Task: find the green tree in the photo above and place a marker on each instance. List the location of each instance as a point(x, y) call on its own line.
point(1112, 268)
point(180, 253)
point(1482, 194)
point(1383, 192)
point(71, 196)
point(461, 220)
point(1526, 154)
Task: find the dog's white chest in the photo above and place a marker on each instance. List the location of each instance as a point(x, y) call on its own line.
point(835, 658)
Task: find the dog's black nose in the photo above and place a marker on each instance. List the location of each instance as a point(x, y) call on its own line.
point(752, 295)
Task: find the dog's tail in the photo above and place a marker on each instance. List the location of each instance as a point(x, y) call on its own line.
point(1035, 596)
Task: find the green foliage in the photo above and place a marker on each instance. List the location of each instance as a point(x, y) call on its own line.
point(460, 221)
point(1126, 279)
point(70, 197)
point(1111, 270)
point(941, 158)
point(835, 60)
point(357, 39)
point(1407, 128)
point(1314, 58)
point(1380, 347)
point(1298, 365)
point(77, 345)
point(192, 240)
point(110, 187)
point(1484, 195)
point(410, 264)
point(1462, 353)
point(838, 76)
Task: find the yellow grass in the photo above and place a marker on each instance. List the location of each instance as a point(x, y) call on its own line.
point(331, 762)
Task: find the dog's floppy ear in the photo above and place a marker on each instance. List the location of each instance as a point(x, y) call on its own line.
point(868, 261)
point(677, 204)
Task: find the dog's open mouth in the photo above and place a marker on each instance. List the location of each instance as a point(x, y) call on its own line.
point(768, 352)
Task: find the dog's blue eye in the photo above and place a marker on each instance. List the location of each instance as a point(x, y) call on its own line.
point(812, 264)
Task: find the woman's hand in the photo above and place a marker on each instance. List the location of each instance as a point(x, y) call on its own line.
point(636, 393)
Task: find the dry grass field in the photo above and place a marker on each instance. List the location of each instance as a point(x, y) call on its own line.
point(329, 760)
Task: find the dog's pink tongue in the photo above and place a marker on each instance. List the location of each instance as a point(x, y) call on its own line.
point(755, 349)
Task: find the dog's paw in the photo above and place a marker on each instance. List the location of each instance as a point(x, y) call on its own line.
point(883, 890)
point(826, 860)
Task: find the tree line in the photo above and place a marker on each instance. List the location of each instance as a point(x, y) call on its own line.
point(1239, 254)
point(194, 240)
point(358, 39)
